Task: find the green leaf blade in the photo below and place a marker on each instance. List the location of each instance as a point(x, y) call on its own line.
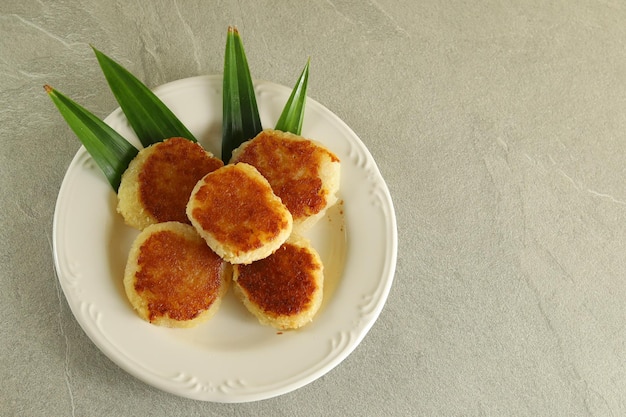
point(240, 119)
point(292, 116)
point(149, 117)
point(108, 148)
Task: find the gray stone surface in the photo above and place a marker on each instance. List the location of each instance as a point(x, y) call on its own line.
point(499, 127)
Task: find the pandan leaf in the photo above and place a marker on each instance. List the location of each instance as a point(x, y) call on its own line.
point(291, 118)
point(240, 119)
point(151, 120)
point(108, 148)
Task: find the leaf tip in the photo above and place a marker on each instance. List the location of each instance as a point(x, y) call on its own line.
point(48, 88)
point(99, 55)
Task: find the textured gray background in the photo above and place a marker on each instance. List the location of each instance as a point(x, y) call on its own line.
point(500, 128)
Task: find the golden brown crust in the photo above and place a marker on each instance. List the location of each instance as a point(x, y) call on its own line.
point(173, 278)
point(285, 289)
point(304, 174)
point(157, 184)
point(235, 210)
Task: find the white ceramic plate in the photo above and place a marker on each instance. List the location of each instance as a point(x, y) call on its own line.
point(231, 358)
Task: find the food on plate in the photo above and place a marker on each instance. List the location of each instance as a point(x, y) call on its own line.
point(198, 218)
point(158, 182)
point(303, 173)
point(235, 210)
point(285, 289)
point(173, 278)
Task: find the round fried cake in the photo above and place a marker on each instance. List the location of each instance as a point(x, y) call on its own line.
point(235, 210)
point(158, 182)
point(173, 278)
point(303, 173)
point(285, 289)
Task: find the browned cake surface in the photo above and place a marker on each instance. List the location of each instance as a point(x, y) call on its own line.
point(283, 283)
point(177, 276)
point(169, 175)
point(292, 166)
point(239, 211)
